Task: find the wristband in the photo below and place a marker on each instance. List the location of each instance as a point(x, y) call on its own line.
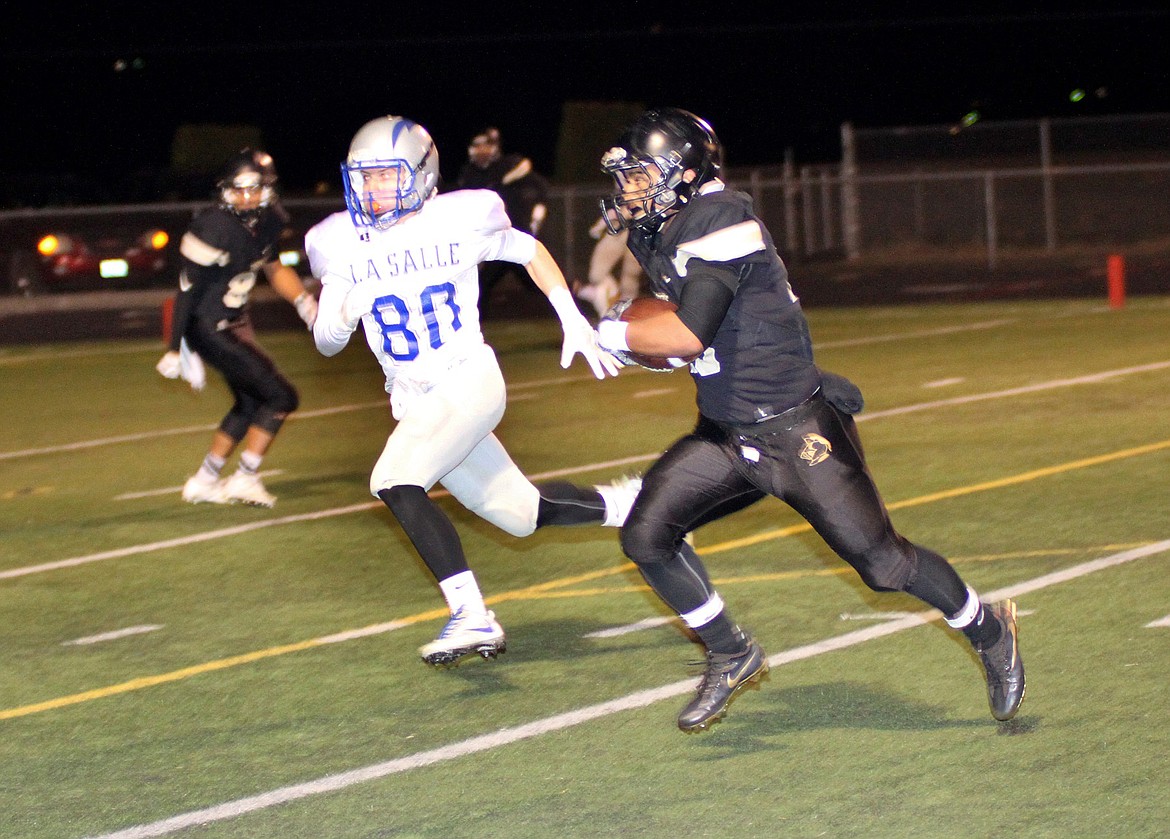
point(611, 334)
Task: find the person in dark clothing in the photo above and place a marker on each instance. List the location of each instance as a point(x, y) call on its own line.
point(223, 250)
point(513, 178)
point(770, 421)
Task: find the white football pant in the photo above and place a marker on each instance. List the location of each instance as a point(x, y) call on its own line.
point(445, 435)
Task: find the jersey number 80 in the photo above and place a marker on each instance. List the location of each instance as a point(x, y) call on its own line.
point(392, 315)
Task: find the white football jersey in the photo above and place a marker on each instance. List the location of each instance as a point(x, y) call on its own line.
point(425, 316)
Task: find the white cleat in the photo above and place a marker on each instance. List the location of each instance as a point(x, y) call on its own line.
point(197, 490)
point(619, 497)
point(465, 633)
point(247, 489)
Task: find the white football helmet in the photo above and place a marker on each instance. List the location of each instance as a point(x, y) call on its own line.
point(392, 168)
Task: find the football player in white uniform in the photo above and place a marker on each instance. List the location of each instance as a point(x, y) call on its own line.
point(402, 262)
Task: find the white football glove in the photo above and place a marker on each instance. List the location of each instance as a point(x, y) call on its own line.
point(184, 364)
point(169, 365)
point(580, 338)
point(307, 308)
point(191, 367)
point(359, 301)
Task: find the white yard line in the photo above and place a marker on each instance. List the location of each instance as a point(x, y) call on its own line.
point(112, 636)
point(559, 722)
point(906, 409)
point(1092, 378)
point(207, 536)
point(518, 388)
point(150, 493)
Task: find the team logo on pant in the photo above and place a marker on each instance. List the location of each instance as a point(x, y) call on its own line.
point(816, 449)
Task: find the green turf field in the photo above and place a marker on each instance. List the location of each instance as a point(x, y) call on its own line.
point(169, 669)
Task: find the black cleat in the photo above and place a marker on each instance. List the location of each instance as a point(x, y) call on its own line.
point(1005, 668)
point(726, 676)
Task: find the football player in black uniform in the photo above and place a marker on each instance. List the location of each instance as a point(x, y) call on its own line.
point(223, 250)
point(770, 421)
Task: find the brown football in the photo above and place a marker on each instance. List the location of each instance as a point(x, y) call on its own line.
point(645, 307)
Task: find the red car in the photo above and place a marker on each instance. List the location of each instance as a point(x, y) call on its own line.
point(101, 255)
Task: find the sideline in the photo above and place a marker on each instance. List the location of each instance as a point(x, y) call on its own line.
point(559, 722)
point(520, 594)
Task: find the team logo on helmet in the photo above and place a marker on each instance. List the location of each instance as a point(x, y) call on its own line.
point(816, 449)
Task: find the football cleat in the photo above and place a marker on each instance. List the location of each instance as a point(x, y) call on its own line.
point(619, 497)
point(1001, 660)
point(725, 678)
point(247, 489)
point(198, 490)
point(466, 633)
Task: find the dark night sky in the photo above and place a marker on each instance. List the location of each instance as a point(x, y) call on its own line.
point(767, 77)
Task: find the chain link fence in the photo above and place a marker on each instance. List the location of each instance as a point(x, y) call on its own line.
point(977, 192)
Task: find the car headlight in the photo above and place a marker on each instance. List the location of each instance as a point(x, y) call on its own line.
point(157, 239)
point(51, 245)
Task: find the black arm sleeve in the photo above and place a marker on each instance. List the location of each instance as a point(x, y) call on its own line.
point(706, 297)
point(180, 317)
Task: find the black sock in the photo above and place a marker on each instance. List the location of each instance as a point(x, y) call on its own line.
point(983, 631)
point(562, 503)
point(722, 636)
point(428, 528)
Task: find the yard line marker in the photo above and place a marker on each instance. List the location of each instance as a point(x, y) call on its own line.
point(133, 550)
point(1092, 378)
point(112, 636)
point(570, 719)
point(658, 391)
point(899, 336)
point(130, 496)
point(617, 631)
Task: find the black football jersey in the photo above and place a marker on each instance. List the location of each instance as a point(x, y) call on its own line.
point(760, 361)
point(222, 258)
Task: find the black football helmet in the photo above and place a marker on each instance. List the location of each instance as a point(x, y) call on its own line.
point(648, 164)
point(248, 175)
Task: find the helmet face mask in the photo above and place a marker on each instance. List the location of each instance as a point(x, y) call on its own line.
point(658, 165)
point(391, 170)
point(247, 184)
point(646, 191)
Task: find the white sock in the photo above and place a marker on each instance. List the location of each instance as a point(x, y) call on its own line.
point(250, 462)
point(968, 613)
point(705, 613)
point(462, 592)
point(210, 468)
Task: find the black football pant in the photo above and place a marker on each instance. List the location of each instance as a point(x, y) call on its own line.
point(263, 396)
point(809, 457)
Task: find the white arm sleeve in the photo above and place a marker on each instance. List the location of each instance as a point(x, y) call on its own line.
point(330, 332)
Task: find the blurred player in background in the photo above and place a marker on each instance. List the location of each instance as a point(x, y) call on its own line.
point(523, 189)
point(604, 288)
point(223, 250)
point(401, 262)
point(770, 422)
